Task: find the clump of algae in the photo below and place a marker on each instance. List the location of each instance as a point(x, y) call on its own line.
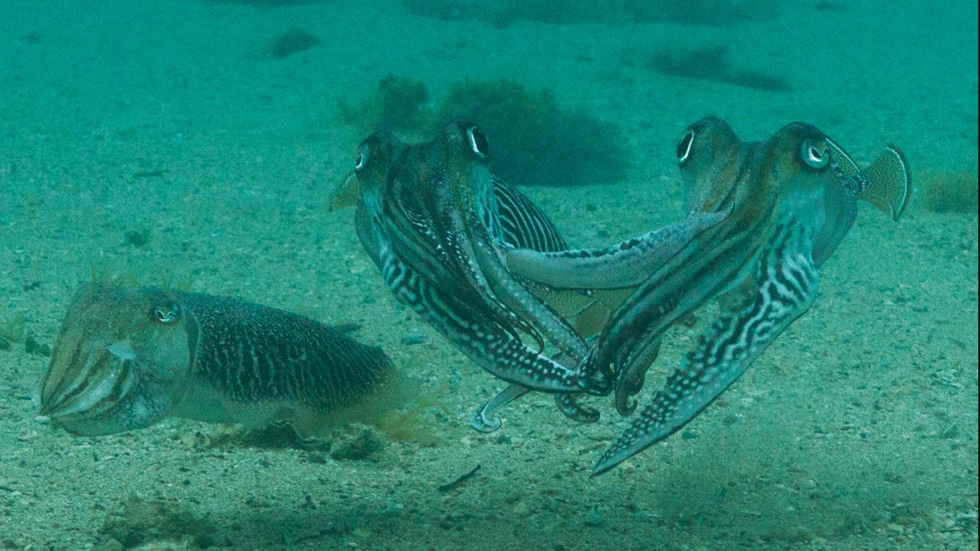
point(533, 141)
point(13, 329)
point(150, 524)
point(398, 104)
point(949, 192)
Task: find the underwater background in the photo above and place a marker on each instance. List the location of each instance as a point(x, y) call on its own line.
point(194, 144)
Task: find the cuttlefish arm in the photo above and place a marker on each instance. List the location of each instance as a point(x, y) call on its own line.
point(485, 418)
point(786, 287)
point(624, 264)
point(813, 211)
point(473, 205)
point(468, 327)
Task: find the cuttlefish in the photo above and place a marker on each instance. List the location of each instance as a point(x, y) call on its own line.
point(436, 223)
point(127, 358)
point(784, 206)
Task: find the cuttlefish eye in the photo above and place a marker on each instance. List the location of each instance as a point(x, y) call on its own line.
point(478, 142)
point(814, 155)
point(684, 146)
point(167, 312)
point(362, 157)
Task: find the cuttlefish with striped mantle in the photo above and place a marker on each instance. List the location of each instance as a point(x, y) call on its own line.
point(787, 203)
point(128, 358)
point(436, 223)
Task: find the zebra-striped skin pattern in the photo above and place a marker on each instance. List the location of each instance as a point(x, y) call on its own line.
point(435, 221)
point(522, 224)
point(127, 358)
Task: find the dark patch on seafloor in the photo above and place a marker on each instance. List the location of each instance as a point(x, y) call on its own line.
point(505, 12)
point(291, 42)
point(268, 3)
point(533, 141)
point(711, 63)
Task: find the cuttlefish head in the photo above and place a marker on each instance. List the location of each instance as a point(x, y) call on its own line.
point(365, 187)
point(120, 362)
point(820, 184)
point(708, 159)
point(372, 161)
point(422, 184)
point(449, 177)
point(799, 173)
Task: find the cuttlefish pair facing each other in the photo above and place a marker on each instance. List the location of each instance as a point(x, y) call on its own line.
point(485, 267)
point(786, 204)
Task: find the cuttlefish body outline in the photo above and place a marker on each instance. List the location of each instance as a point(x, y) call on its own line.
point(767, 215)
point(436, 223)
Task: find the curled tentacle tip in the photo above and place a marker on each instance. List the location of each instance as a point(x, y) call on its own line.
point(626, 407)
point(479, 421)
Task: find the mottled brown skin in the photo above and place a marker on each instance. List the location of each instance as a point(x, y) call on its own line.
point(127, 358)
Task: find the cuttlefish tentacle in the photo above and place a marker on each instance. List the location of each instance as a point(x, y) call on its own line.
point(485, 418)
point(568, 404)
point(475, 203)
point(583, 268)
point(630, 381)
point(787, 285)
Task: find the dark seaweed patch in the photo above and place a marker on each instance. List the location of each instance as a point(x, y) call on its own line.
point(533, 141)
point(267, 3)
point(291, 42)
point(138, 239)
point(504, 12)
point(398, 104)
point(950, 192)
point(712, 64)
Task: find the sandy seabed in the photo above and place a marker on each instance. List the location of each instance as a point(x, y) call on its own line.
point(856, 430)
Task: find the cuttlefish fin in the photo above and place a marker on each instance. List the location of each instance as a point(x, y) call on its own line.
point(624, 264)
point(786, 280)
point(889, 186)
point(346, 194)
point(885, 183)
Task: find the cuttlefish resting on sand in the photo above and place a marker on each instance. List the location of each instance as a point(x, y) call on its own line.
point(127, 358)
point(435, 222)
point(786, 204)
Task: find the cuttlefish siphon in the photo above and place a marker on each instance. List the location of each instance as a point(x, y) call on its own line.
point(127, 358)
point(786, 203)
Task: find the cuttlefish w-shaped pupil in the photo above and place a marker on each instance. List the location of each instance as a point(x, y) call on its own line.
point(167, 312)
point(815, 156)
